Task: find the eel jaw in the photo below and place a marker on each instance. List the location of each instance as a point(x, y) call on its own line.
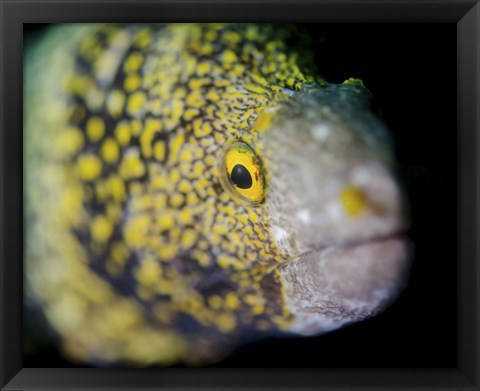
point(333, 286)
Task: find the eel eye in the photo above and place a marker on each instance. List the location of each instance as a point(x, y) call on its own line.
point(242, 173)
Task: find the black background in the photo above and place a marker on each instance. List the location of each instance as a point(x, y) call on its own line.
point(411, 70)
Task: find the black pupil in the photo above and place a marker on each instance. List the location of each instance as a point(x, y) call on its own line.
point(241, 177)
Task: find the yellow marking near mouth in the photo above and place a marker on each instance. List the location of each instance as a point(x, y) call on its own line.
point(353, 200)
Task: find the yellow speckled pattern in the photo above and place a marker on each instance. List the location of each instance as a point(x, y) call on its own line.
point(123, 181)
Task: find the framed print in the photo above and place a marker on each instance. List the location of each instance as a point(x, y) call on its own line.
point(218, 195)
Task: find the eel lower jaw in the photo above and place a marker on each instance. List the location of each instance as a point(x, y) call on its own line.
point(343, 283)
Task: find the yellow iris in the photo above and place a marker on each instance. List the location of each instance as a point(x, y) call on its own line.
point(242, 173)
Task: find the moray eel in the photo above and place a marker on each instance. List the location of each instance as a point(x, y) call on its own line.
point(191, 187)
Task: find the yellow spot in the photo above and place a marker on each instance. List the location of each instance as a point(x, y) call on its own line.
point(260, 233)
point(143, 38)
point(195, 84)
point(136, 127)
point(156, 106)
point(89, 167)
point(95, 128)
point(184, 186)
point(291, 82)
point(353, 200)
point(206, 128)
point(242, 218)
point(238, 70)
point(235, 95)
point(253, 216)
point(72, 198)
point(207, 141)
point(159, 150)
point(148, 273)
point(247, 231)
point(70, 141)
point(258, 309)
point(123, 133)
point(264, 121)
point(258, 244)
point(231, 301)
point(119, 252)
point(225, 262)
point(219, 138)
point(132, 82)
point(174, 176)
point(135, 188)
point(257, 89)
point(252, 33)
point(131, 166)
point(229, 56)
point(195, 99)
point(176, 199)
point(226, 322)
point(203, 68)
point(133, 62)
point(203, 244)
point(210, 160)
point(192, 199)
point(190, 113)
point(213, 96)
point(115, 102)
point(165, 222)
point(168, 251)
point(250, 299)
point(159, 201)
point(110, 150)
point(211, 35)
point(117, 188)
point(136, 103)
point(354, 81)
point(189, 237)
point(215, 302)
point(79, 84)
point(101, 229)
point(206, 49)
point(151, 127)
point(220, 229)
point(136, 230)
point(202, 258)
point(175, 146)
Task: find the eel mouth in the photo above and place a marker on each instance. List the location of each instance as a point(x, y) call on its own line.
point(338, 284)
point(393, 237)
point(398, 235)
point(364, 271)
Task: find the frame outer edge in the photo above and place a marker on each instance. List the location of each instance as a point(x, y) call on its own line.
point(468, 121)
point(10, 194)
point(467, 113)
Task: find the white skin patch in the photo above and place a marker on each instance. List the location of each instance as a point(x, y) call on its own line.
point(362, 175)
point(289, 92)
point(279, 234)
point(335, 211)
point(320, 132)
point(304, 215)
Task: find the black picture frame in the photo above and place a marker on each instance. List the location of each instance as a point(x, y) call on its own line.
point(466, 14)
